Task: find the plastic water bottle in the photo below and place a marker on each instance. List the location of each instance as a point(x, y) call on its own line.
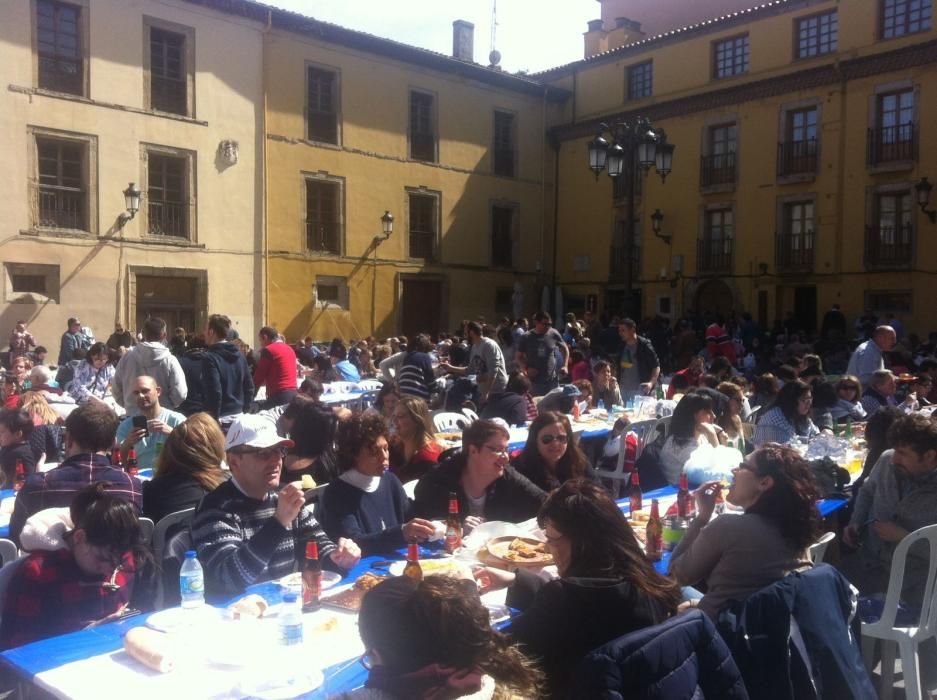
point(291, 621)
point(191, 582)
point(600, 405)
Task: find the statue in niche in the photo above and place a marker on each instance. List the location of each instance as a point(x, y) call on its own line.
point(228, 151)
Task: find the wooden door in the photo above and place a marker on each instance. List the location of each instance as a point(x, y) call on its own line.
point(421, 307)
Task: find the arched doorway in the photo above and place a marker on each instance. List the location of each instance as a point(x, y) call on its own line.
point(714, 297)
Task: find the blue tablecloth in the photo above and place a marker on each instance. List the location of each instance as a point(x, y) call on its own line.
point(51, 653)
point(5, 530)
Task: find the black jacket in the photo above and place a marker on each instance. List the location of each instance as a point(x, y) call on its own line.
point(506, 405)
point(682, 658)
point(511, 498)
point(564, 619)
point(226, 381)
point(645, 357)
point(191, 363)
point(758, 633)
point(163, 495)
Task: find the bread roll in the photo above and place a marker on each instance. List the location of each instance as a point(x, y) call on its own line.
point(150, 648)
point(248, 607)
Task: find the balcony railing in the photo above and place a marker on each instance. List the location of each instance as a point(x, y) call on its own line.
point(422, 244)
point(714, 255)
point(61, 208)
point(167, 218)
point(889, 246)
point(795, 252)
point(423, 146)
point(797, 157)
point(168, 94)
point(60, 75)
point(504, 162)
point(323, 237)
point(717, 169)
point(892, 144)
point(618, 258)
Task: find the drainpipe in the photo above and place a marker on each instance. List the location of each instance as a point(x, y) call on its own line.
point(264, 245)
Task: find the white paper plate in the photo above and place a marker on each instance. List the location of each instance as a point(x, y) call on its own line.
point(176, 618)
point(329, 579)
point(280, 689)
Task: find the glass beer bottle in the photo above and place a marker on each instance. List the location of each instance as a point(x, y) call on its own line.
point(413, 568)
point(453, 525)
point(654, 542)
point(312, 578)
point(684, 499)
point(634, 493)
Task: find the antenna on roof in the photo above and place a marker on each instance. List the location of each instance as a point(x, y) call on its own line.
point(494, 56)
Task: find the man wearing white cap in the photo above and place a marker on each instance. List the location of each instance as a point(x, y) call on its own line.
point(245, 532)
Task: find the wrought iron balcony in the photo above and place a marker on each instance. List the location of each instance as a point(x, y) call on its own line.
point(323, 237)
point(717, 169)
point(794, 252)
point(61, 208)
point(889, 246)
point(422, 245)
point(892, 144)
point(167, 218)
point(797, 157)
point(714, 255)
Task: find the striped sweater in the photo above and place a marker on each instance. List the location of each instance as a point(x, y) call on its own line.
point(240, 543)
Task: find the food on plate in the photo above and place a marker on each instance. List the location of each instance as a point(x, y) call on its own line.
point(251, 607)
point(904, 377)
point(639, 516)
point(520, 550)
point(308, 482)
point(150, 648)
point(350, 598)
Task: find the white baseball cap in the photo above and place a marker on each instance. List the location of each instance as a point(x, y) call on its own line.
point(252, 430)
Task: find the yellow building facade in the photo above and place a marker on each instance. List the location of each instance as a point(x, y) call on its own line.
point(801, 130)
point(358, 126)
point(100, 93)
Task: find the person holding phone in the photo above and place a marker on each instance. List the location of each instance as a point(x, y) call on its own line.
point(147, 432)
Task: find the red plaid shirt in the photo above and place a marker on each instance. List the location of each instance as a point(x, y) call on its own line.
point(49, 595)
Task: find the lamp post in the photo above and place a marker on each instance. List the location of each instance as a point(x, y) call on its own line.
point(132, 203)
point(387, 228)
point(923, 189)
point(636, 145)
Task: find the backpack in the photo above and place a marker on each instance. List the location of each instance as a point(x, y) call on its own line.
point(831, 478)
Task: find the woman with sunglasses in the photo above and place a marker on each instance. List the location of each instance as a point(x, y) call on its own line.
point(551, 456)
point(366, 503)
point(87, 580)
point(606, 586)
point(789, 417)
point(486, 486)
point(737, 555)
point(848, 393)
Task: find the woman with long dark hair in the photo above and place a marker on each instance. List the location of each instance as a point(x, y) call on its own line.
point(311, 426)
point(606, 588)
point(736, 555)
point(693, 425)
point(788, 417)
point(434, 639)
point(551, 455)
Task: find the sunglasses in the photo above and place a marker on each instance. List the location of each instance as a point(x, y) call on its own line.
point(548, 439)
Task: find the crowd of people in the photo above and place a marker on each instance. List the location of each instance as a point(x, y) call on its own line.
point(241, 434)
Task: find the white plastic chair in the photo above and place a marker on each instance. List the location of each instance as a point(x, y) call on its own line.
point(146, 530)
point(342, 387)
point(370, 385)
point(450, 422)
point(8, 551)
point(908, 639)
point(470, 414)
point(818, 549)
point(645, 431)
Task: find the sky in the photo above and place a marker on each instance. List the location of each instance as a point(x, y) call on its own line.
point(532, 35)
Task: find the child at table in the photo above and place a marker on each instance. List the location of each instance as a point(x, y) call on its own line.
point(16, 425)
point(87, 581)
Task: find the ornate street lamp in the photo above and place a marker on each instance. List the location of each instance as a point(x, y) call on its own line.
point(387, 224)
point(923, 190)
point(636, 145)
